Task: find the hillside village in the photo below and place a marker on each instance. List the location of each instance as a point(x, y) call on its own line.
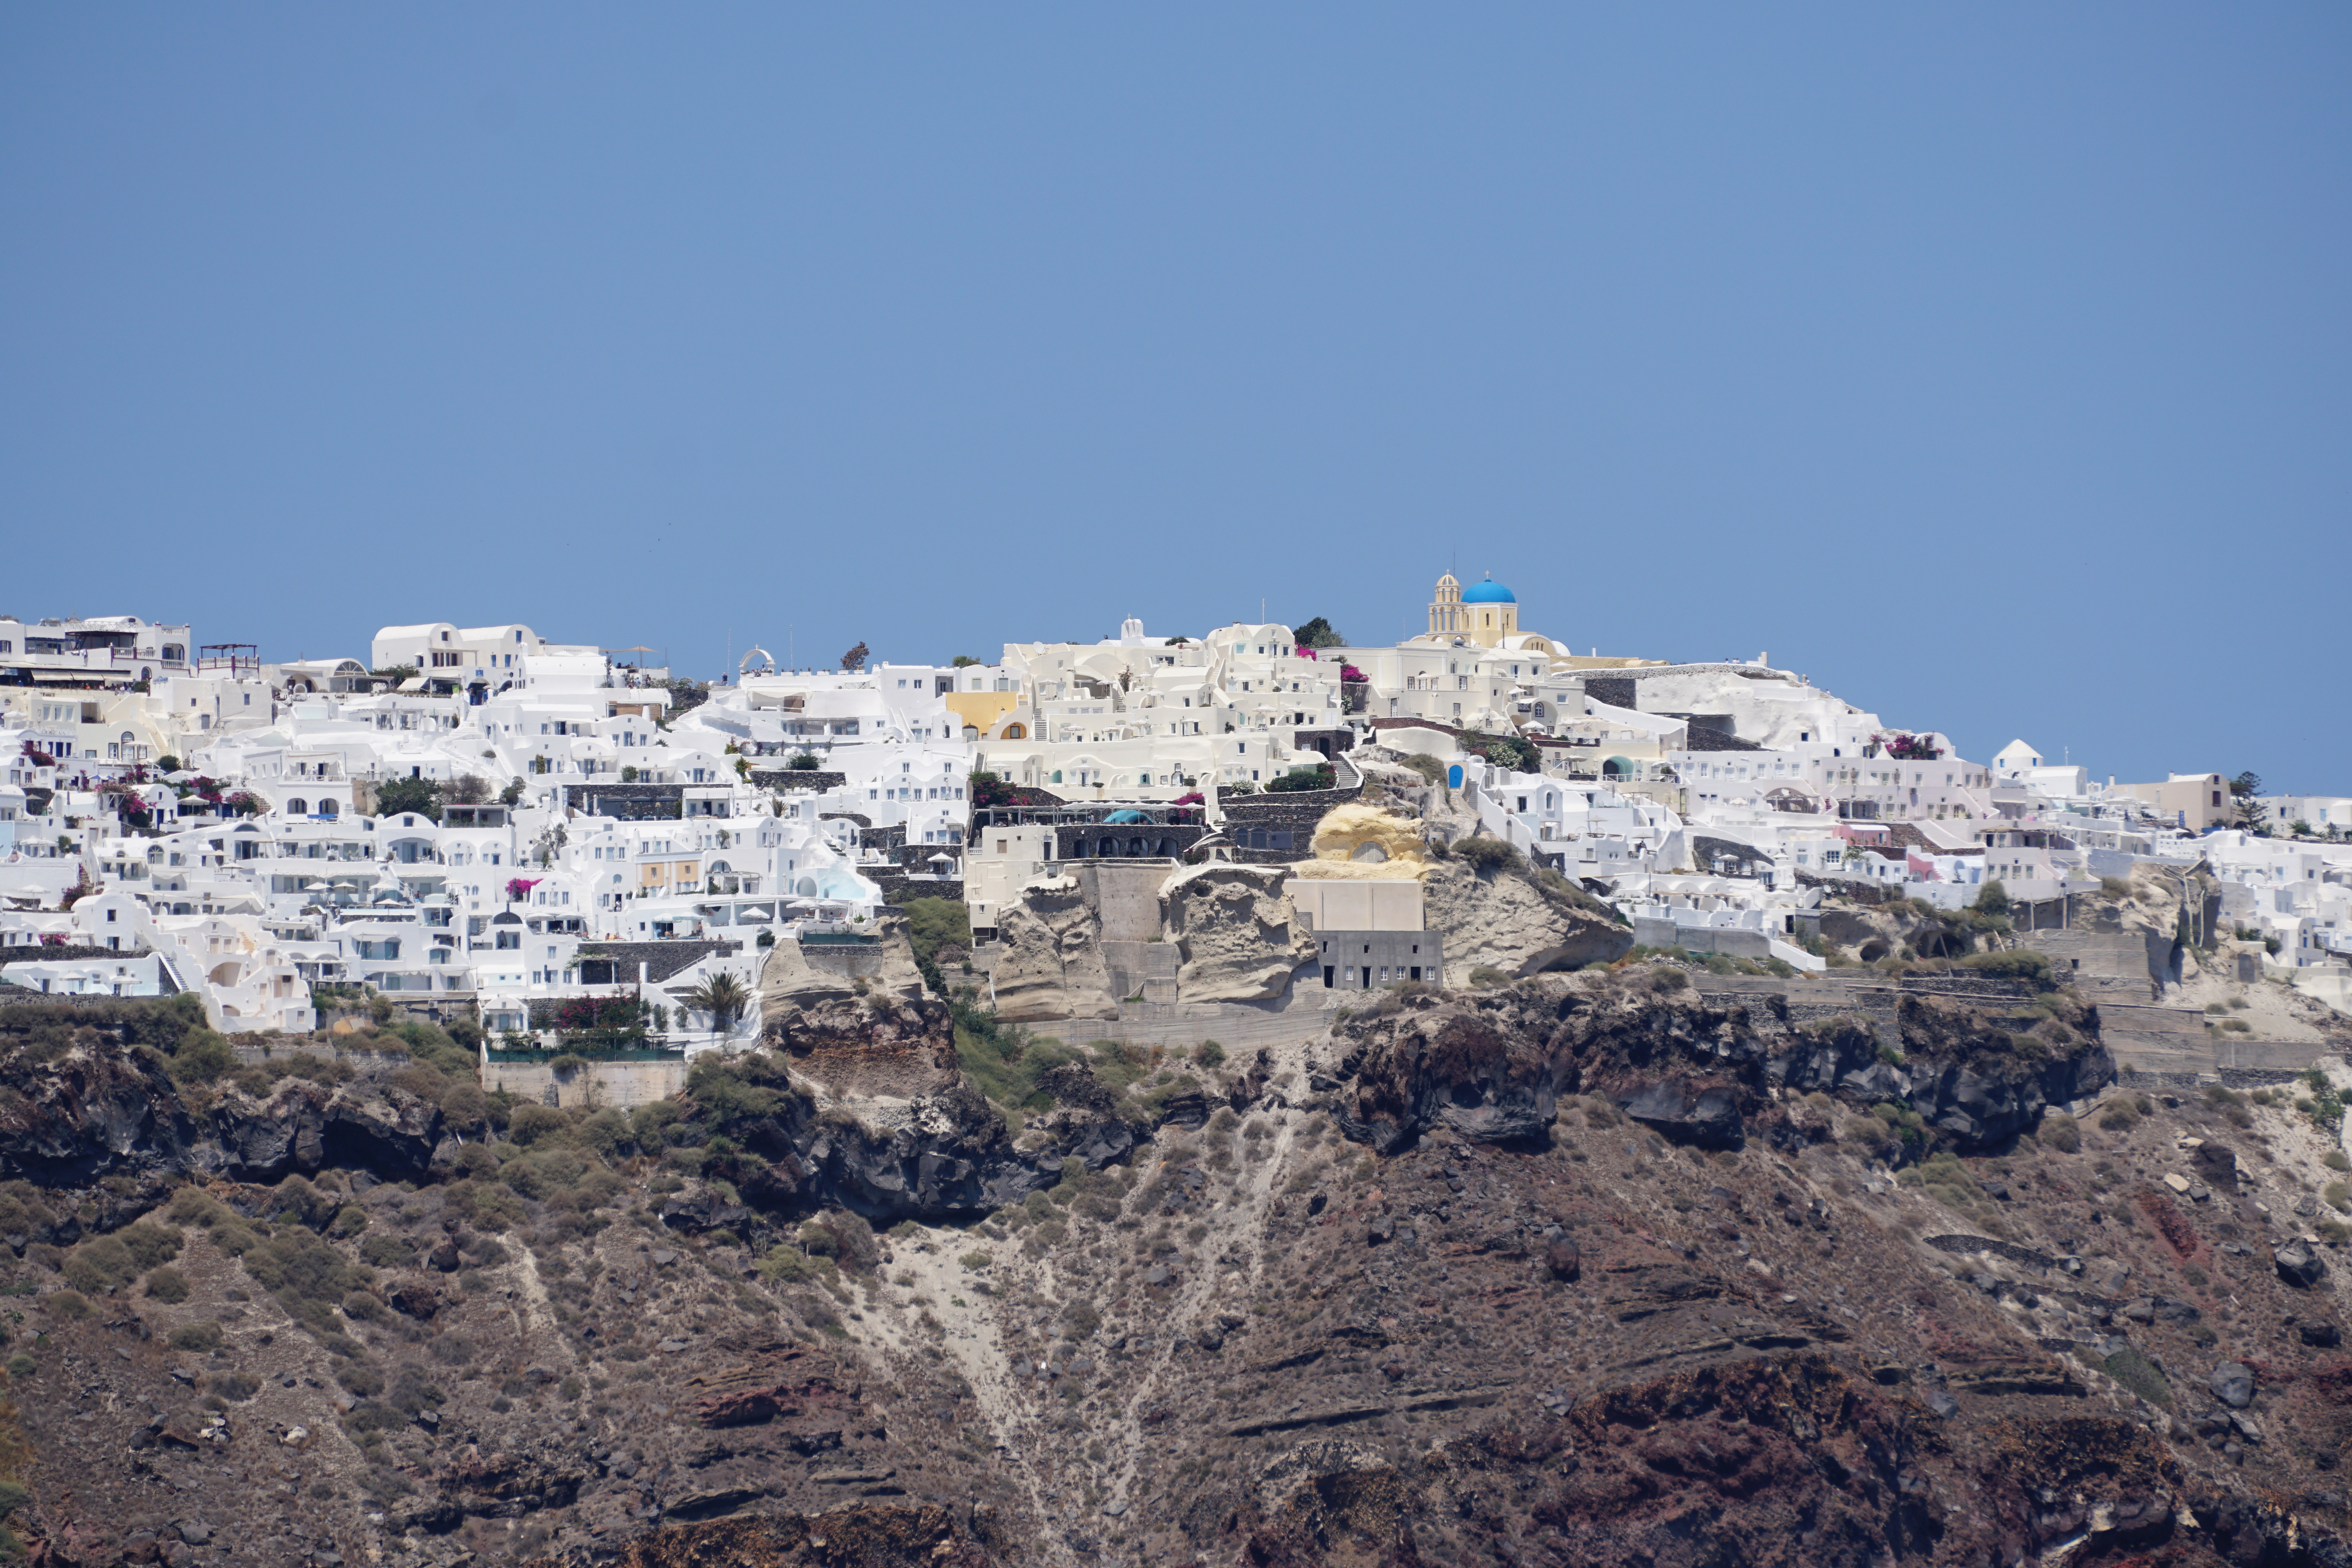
point(1244, 1097)
point(479, 822)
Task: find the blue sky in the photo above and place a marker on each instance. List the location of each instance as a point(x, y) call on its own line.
point(1990, 366)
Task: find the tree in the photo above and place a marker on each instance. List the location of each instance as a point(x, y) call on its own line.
point(420, 797)
point(1319, 633)
point(1307, 776)
point(466, 790)
point(803, 762)
point(723, 996)
point(1512, 751)
point(512, 793)
point(964, 661)
point(1992, 899)
point(854, 659)
point(2253, 815)
point(988, 790)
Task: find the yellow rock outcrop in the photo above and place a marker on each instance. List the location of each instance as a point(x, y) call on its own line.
point(1355, 841)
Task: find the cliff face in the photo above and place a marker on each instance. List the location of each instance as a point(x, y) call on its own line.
point(1052, 967)
point(97, 1110)
point(1702, 1070)
point(1590, 1268)
point(1501, 918)
point(1240, 937)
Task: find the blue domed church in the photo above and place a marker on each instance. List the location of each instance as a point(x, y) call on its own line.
point(1485, 612)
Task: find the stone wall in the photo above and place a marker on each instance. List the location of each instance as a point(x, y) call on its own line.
point(662, 959)
point(627, 802)
point(897, 888)
point(1617, 691)
point(1142, 969)
point(789, 780)
point(1731, 941)
point(1124, 895)
point(1295, 812)
point(72, 952)
point(622, 1085)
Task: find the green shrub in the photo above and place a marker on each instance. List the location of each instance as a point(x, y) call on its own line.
point(167, 1284)
point(203, 1057)
point(149, 1244)
point(69, 1305)
point(2118, 1116)
point(1428, 767)
point(784, 1265)
point(388, 1249)
point(98, 1265)
point(2059, 1131)
point(2338, 1197)
point(528, 1124)
point(1209, 1054)
point(1486, 977)
point(2023, 964)
point(360, 1378)
point(2137, 1373)
point(306, 1275)
point(1668, 979)
point(1485, 854)
point(200, 1337)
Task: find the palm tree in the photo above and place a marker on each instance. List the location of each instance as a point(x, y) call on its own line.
point(723, 996)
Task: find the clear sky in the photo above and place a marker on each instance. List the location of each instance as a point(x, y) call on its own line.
point(1987, 363)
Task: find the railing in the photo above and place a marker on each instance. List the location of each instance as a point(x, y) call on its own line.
point(586, 1054)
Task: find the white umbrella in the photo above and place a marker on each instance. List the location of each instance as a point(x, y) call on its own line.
point(315, 886)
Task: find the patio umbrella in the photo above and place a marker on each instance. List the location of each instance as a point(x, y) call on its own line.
point(315, 886)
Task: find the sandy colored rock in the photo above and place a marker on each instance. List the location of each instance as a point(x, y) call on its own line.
point(796, 979)
point(1241, 938)
point(1052, 966)
point(1359, 841)
point(1500, 919)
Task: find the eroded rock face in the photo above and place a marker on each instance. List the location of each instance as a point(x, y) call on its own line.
point(1242, 940)
point(101, 1109)
point(878, 1043)
point(1694, 1069)
point(796, 980)
point(949, 1155)
point(1501, 920)
point(1460, 1066)
point(1052, 967)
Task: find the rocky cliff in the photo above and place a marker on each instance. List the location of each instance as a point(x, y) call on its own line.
point(1052, 965)
point(1593, 1267)
point(1240, 938)
point(1504, 916)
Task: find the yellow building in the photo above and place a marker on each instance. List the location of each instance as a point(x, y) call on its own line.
point(1485, 614)
point(981, 713)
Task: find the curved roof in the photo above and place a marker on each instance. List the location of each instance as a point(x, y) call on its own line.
point(1488, 593)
